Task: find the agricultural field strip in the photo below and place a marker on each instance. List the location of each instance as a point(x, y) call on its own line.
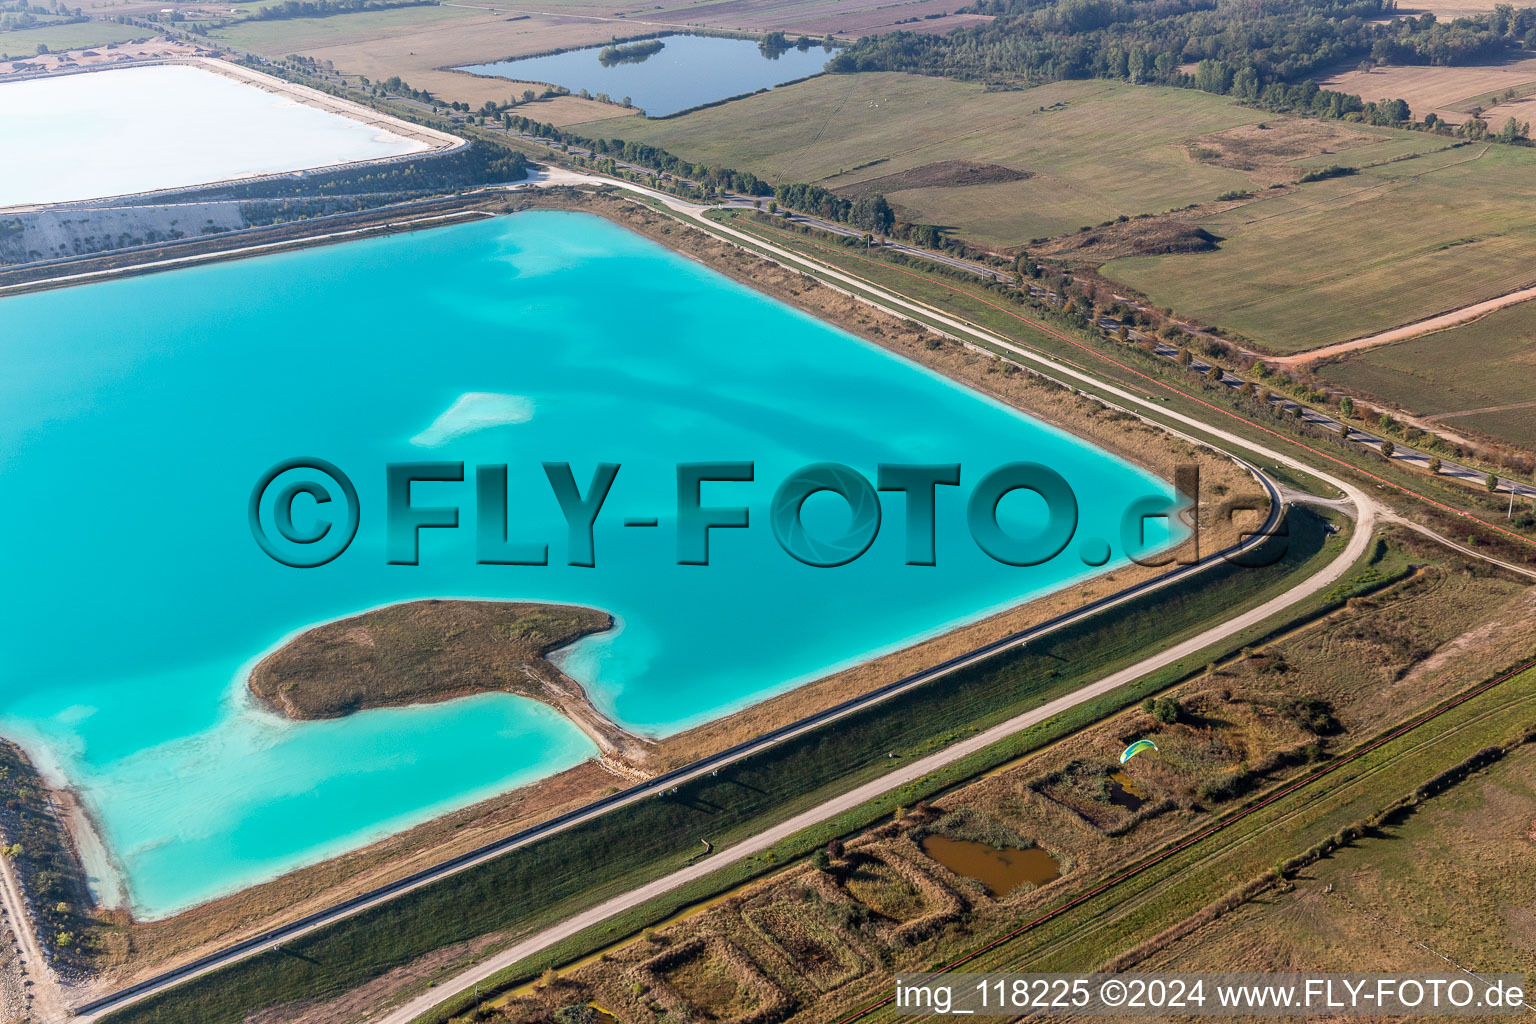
point(1347, 198)
point(1298, 814)
point(1413, 330)
point(1179, 875)
point(1497, 713)
point(1336, 263)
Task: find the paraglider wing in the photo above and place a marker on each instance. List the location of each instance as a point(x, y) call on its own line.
point(1136, 748)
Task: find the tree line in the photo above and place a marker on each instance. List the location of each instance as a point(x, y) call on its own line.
point(481, 163)
point(326, 8)
point(869, 213)
point(1252, 51)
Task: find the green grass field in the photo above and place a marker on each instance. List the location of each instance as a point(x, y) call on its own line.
point(1487, 364)
point(291, 35)
point(74, 36)
point(1102, 149)
point(1351, 256)
point(1462, 858)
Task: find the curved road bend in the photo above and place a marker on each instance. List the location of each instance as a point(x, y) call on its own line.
point(1366, 511)
point(1358, 545)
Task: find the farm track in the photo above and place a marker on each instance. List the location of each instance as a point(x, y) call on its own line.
point(1452, 318)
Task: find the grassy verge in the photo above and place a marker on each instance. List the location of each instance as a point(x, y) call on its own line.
point(551, 879)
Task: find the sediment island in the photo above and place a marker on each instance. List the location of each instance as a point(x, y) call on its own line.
point(423, 652)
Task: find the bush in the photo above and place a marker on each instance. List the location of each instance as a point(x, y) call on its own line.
point(1311, 714)
point(1331, 171)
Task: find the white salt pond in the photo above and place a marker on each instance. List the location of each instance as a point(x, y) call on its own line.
point(127, 130)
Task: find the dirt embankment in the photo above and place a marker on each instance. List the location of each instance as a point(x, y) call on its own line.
point(943, 174)
point(423, 652)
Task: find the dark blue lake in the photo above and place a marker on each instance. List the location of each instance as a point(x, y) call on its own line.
point(688, 71)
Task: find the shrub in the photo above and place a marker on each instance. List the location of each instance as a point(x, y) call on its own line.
point(1331, 171)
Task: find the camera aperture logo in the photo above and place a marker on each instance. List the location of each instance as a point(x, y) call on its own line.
point(334, 511)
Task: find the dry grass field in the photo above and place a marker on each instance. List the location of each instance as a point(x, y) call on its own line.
point(844, 18)
point(1456, 877)
point(1074, 153)
point(1447, 10)
point(24, 42)
point(424, 44)
point(1447, 91)
point(1480, 375)
point(1347, 257)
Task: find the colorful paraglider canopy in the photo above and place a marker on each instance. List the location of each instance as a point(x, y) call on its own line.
point(1136, 748)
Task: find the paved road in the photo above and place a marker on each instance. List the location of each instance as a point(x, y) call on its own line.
point(1366, 511)
point(1401, 451)
point(908, 772)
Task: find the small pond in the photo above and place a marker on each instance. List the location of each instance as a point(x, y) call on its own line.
point(1000, 869)
point(1124, 793)
point(686, 72)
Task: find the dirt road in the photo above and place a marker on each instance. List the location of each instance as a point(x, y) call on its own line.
point(47, 1001)
point(1413, 330)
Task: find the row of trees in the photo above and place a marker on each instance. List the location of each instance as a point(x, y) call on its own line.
point(868, 213)
point(1244, 83)
point(481, 163)
point(325, 8)
point(644, 155)
point(1426, 40)
point(775, 43)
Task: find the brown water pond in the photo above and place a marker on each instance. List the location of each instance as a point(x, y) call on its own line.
point(1001, 870)
point(1123, 792)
